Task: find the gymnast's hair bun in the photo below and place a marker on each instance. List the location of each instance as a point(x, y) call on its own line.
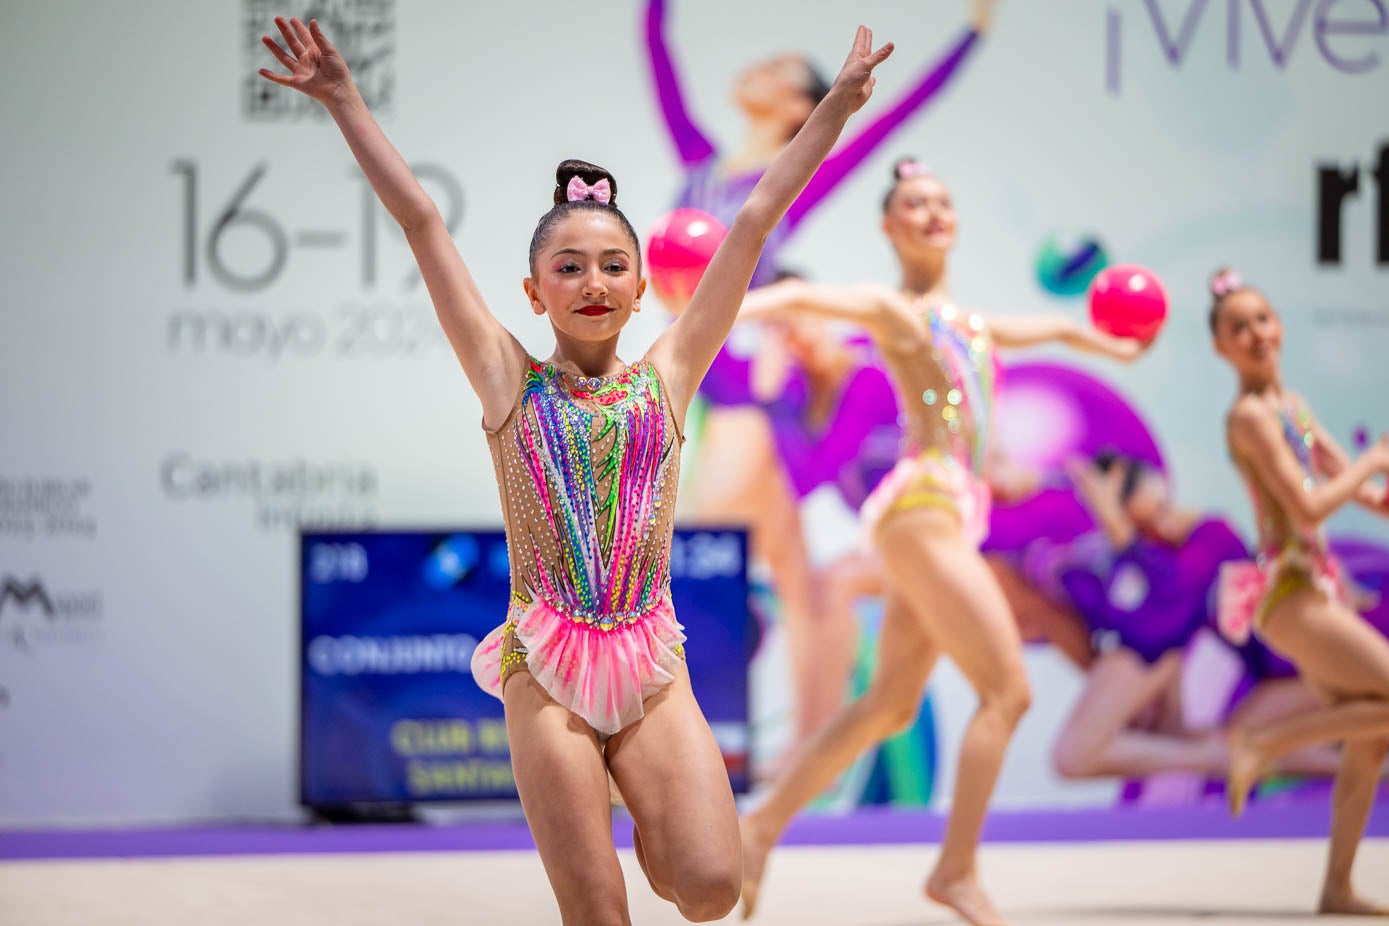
point(589, 175)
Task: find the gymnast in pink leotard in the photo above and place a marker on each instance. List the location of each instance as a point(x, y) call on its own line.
point(589, 659)
point(926, 519)
point(1294, 597)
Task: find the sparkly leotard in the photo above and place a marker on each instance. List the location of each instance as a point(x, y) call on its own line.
point(587, 475)
point(1290, 557)
point(947, 401)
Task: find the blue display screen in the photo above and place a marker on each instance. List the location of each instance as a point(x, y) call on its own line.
point(389, 620)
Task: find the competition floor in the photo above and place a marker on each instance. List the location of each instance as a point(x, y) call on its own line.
point(1042, 869)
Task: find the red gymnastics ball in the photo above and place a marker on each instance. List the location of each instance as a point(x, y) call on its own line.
point(1128, 301)
point(679, 248)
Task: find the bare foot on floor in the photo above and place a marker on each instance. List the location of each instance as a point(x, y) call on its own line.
point(1349, 903)
point(756, 848)
point(965, 897)
point(1247, 766)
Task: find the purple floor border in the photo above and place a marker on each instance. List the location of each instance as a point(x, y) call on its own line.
point(867, 827)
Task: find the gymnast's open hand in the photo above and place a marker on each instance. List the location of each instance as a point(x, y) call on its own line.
point(316, 68)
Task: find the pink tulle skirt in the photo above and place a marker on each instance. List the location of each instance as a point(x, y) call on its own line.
point(1247, 591)
point(604, 676)
point(931, 480)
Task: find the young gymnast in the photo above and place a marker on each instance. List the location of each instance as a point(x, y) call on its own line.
point(1295, 597)
point(589, 662)
point(926, 519)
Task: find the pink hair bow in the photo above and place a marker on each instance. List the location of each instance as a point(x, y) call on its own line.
point(1226, 283)
point(908, 167)
point(600, 192)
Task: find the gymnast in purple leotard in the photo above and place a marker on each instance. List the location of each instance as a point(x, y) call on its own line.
point(776, 95)
point(1142, 583)
point(736, 476)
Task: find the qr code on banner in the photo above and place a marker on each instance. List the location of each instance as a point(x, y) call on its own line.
point(363, 30)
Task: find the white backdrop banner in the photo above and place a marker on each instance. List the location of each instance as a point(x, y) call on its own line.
point(211, 334)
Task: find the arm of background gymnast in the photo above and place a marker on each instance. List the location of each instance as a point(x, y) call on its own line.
point(1027, 330)
point(1257, 441)
point(492, 359)
point(843, 162)
point(685, 350)
point(690, 143)
point(1332, 459)
point(1102, 494)
point(883, 313)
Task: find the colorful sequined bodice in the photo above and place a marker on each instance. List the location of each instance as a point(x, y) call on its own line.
point(588, 477)
point(1278, 534)
point(947, 403)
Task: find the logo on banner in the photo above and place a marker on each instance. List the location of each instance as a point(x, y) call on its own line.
point(282, 494)
point(1339, 186)
point(363, 30)
point(238, 245)
point(21, 595)
point(1067, 265)
point(1348, 39)
point(34, 507)
point(234, 241)
point(32, 612)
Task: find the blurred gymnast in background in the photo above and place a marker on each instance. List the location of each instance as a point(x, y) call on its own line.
point(926, 519)
point(736, 475)
point(1295, 596)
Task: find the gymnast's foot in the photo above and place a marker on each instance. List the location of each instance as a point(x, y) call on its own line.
point(963, 895)
point(1247, 766)
point(757, 845)
point(1345, 902)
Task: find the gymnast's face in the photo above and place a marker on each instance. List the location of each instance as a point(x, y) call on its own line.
point(920, 218)
point(587, 277)
point(1249, 334)
point(776, 88)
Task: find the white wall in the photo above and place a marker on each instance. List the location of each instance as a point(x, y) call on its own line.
point(162, 688)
